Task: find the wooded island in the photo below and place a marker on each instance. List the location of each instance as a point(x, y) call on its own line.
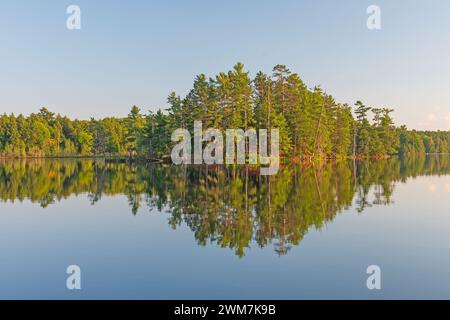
point(311, 123)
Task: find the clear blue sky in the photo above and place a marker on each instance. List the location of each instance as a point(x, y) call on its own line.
point(136, 52)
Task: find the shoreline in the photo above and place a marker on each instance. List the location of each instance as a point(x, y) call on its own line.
point(294, 159)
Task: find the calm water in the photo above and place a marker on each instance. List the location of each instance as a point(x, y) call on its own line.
point(164, 232)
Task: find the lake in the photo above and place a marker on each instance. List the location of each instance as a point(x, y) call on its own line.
point(177, 232)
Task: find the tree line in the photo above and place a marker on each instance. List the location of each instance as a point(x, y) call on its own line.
point(311, 123)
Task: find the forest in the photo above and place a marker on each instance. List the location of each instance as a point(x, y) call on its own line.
point(311, 123)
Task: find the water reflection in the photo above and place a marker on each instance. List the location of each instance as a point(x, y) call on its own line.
point(227, 206)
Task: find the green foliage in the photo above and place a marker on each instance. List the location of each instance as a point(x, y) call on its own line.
point(311, 124)
point(46, 135)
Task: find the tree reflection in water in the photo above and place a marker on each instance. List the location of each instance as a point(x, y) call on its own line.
point(228, 206)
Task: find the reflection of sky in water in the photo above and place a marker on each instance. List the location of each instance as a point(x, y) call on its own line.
point(126, 256)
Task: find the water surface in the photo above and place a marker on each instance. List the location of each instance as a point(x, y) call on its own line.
point(173, 232)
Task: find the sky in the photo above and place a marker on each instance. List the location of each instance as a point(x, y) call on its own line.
point(136, 52)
